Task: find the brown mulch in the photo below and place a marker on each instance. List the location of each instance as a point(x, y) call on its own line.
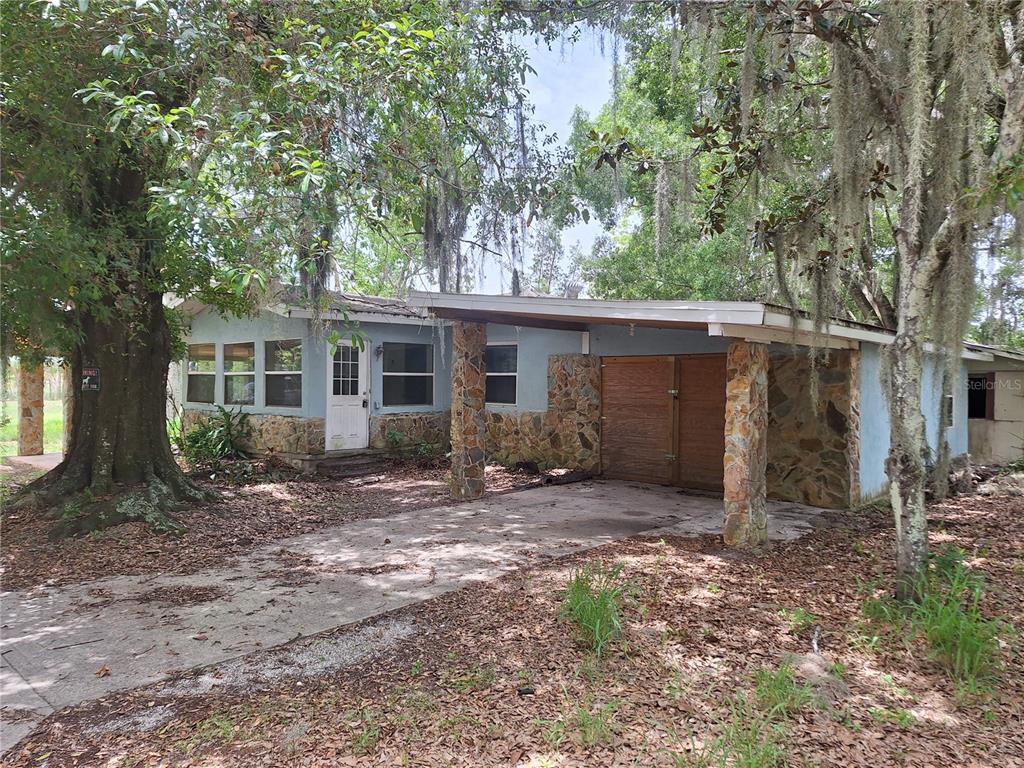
point(246, 517)
point(494, 677)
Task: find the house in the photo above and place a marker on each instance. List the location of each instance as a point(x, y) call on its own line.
point(713, 396)
point(995, 405)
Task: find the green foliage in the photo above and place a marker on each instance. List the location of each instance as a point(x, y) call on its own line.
point(180, 124)
point(592, 603)
point(595, 724)
point(777, 693)
point(216, 438)
point(801, 621)
point(395, 440)
point(947, 616)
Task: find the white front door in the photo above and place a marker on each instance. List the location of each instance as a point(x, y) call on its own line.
point(347, 398)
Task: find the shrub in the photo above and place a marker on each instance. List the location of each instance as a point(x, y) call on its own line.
point(592, 603)
point(395, 439)
point(217, 438)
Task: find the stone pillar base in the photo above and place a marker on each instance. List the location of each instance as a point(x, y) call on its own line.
point(746, 443)
point(30, 409)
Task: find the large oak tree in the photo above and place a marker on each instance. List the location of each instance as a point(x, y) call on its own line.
point(199, 148)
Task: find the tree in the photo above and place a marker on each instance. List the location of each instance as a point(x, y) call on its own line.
point(194, 149)
point(875, 146)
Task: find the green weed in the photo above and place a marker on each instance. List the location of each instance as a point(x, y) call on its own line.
point(900, 717)
point(778, 694)
point(592, 603)
point(800, 620)
point(595, 725)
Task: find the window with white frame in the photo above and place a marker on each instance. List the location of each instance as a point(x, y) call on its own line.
point(240, 373)
point(282, 373)
point(502, 373)
point(202, 373)
point(408, 373)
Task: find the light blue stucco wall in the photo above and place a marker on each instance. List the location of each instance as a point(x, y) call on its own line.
point(535, 346)
point(209, 327)
point(427, 333)
point(612, 340)
point(874, 416)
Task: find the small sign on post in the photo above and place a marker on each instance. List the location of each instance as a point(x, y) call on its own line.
point(90, 379)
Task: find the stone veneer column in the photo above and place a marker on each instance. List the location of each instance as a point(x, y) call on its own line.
point(30, 409)
point(746, 444)
point(69, 406)
point(469, 382)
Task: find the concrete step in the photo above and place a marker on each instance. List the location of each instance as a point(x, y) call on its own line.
point(354, 465)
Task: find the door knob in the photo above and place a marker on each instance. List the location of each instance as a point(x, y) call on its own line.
point(365, 403)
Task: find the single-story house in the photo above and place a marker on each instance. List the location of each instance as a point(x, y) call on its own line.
point(995, 406)
point(713, 396)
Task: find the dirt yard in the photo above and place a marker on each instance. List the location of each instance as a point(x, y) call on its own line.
point(264, 509)
point(492, 675)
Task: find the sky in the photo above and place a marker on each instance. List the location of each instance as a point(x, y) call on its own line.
point(567, 76)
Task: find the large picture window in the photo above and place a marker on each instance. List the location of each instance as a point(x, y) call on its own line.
point(283, 373)
point(202, 373)
point(408, 372)
point(240, 373)
point(502, 373)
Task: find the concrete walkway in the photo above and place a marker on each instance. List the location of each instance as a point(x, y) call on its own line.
point(72, 644)
point(43, 462)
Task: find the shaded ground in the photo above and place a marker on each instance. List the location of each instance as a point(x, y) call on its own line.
point(490, 675)
point(63, 645)
point(248, 516)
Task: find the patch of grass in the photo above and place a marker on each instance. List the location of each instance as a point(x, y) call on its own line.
point(53, 428)
point(365, 731)
point(948, 617)
point(750, 739)
point(471, 681)
point(800, 620)
point(714, 589)
point(900, 717)
point(591, 602)
point(778, 694)
point(594, 725)
point(552, 731)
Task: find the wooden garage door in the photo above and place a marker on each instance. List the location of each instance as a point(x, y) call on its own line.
point(701, 410)
point(637, 418)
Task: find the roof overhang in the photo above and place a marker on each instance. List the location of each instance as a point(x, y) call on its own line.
point(749, 320)
point(363, 317)
point(579, 314)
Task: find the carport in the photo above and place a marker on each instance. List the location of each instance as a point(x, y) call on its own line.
point(684, 392)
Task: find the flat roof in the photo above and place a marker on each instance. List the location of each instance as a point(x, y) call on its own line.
point(753, 320)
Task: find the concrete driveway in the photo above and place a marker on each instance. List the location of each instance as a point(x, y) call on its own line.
point(73, 644)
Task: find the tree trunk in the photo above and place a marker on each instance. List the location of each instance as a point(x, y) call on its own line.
point(119, 465)
point(905, 465)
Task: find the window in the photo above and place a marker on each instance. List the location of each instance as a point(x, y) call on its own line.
point(240, 373)
point(949, 404)
point(202, 373)
point(345, 377)
point(283, 373)
point(979, 397)
point(502, 373)
point(408, 374)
